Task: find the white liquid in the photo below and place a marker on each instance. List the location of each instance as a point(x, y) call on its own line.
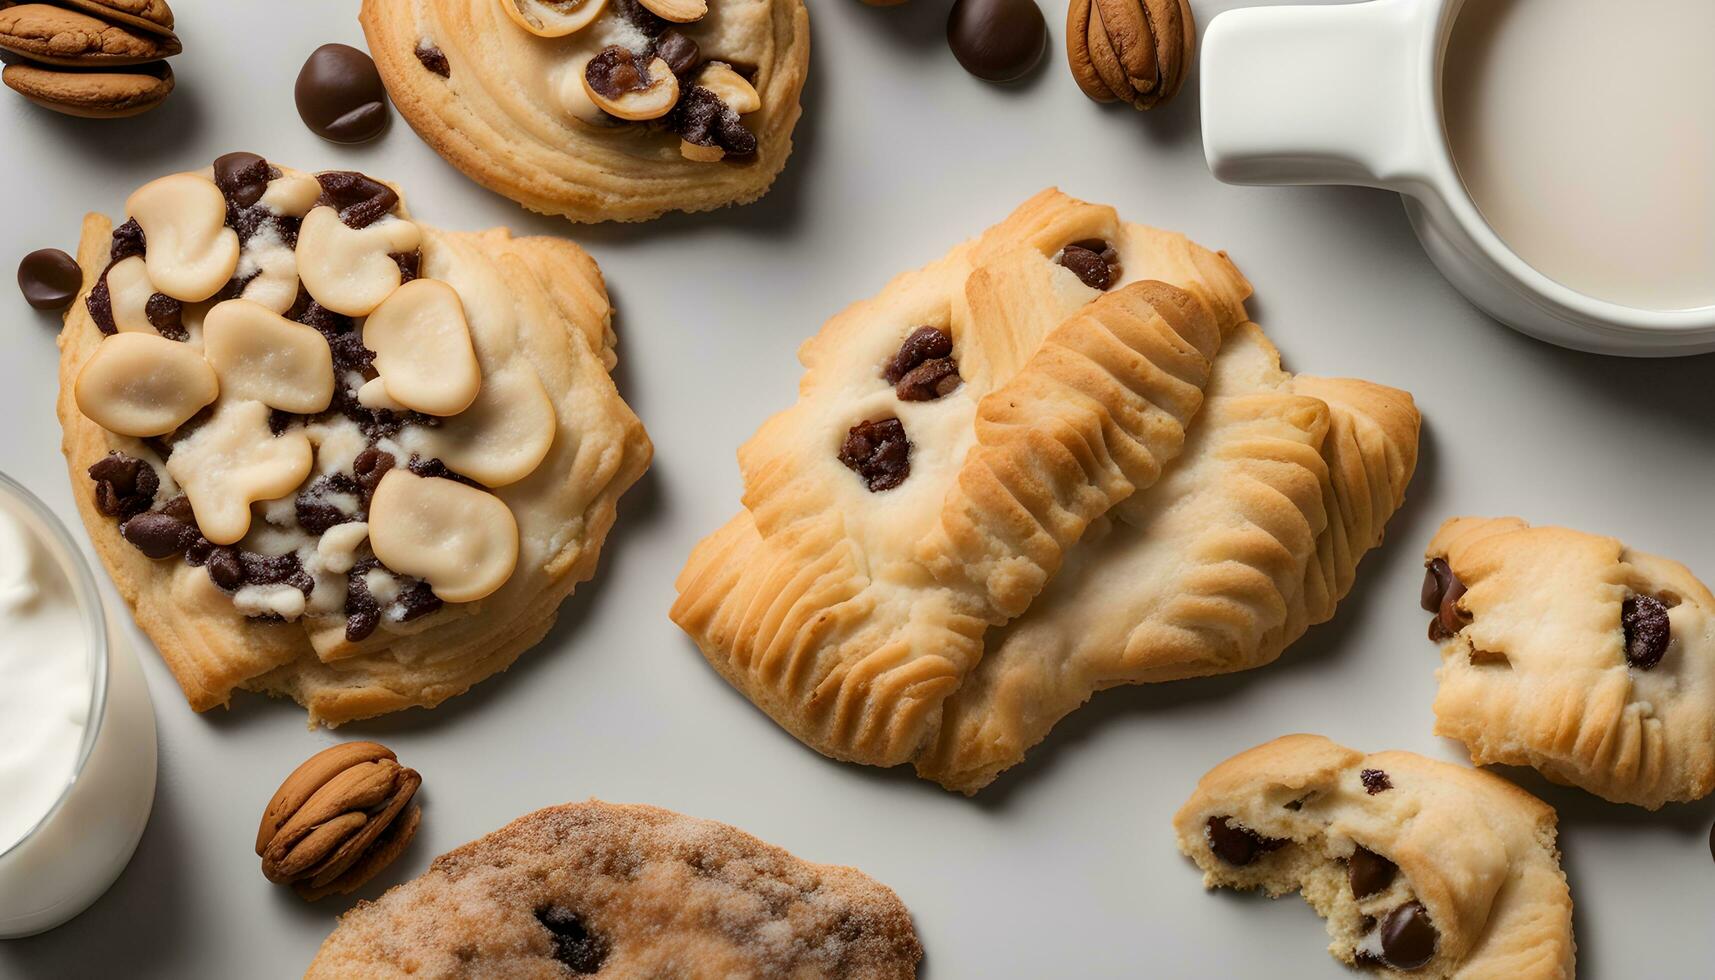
point(44, 679)
point(1585, 132)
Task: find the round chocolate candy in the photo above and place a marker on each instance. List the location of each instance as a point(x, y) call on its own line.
point(49, 279)
point(997, 40)
point(340, 96)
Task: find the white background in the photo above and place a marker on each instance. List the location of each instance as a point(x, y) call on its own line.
point(1064, 868)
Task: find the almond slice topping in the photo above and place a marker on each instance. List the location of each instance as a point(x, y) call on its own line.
point(142, 384)
point(501, 438)
point(422, 348)
point(677, 11)
point(553, 18)
point(191, 253)
point(461, 540)
point(260, 354)
point(233, 460)
point(351, 270)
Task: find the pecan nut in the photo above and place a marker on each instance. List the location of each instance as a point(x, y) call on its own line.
point(1134, 51)
point(339, 818)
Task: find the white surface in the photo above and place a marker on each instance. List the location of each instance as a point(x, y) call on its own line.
point(1066, 867)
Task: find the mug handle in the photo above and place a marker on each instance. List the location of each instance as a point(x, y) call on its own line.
point(1320, 94)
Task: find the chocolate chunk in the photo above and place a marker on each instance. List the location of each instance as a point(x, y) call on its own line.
point(99, 303)
point(340, 95)
point(49, 279)
point(362, 612)
point(641, 17)
point(1093, 261)
point(124, 485)
point(615, 71)
point(1369, 873)
point(434, 59)
point(922, 344)
point(929, 381)
point(879, 452)
point(1436, 577)
point(128, 240)
point(578, 949)
point(242, 177)
point(1408, 937)
point(679, 52)
point(166, 315)
point(315, 512)
point(260, 569)
point(997, 40)
point(701, 117)
point(417, 601)
point(369, 467)
point(410, 265)
point(1375, 781)
point(1647, 628)
point(158, 535)
point(1238, 845)
point(225, 569)
point(436, 469)
point(361, 200)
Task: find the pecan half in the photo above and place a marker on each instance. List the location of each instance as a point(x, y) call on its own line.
point(339, 818)
point(1134, 51)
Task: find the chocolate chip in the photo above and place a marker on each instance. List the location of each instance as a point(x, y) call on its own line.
point(369, 467)
point(929, 381)
point(1238, 845)
point(997, 40)
point(1408, 937)
point(1369, 873)
point(615, 71)
point(434, 59)
point(340, 95)
point(361, 200)
point(315, 512)
point(417, 601)
point(922, 344)
point(157, 535)
point(1093, 261)
point(99, 303)
point(225, 569)
point(879, 452)
point(410, 265)
point(1436, 577)
point(680, 52)
point(1375, 781)
point(701, 117)
point(1647, 628)
point(580, 950)
point(128, 240)
point(242, 177)
point(124, 485)
point(362, 613)
point(260, 569)
point(49, 279)
point(166, 315)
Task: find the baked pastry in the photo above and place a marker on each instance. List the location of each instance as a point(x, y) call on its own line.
point(600, 110)
point(953, 439)
point(1420, 866)
point(625, 891)
point(329, 453)
point(1574, 654)
point(1253, 535)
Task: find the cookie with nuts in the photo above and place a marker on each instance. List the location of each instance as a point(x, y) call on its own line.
point(330, 453)
point(600, 110)
point(1420, 866)
point(953, 440)
point(625, 891)
point(1576, 655)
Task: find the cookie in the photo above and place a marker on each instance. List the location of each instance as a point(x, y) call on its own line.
point(1253, 535)
point(92, 94)
point(953, 439)
point(625, 891)
point(57, 36)
point(605, 110)
point(1420, 866)
point(1573, 654)
point(329, 453)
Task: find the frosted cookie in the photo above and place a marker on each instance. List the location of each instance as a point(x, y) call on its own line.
point(953, 439)
point(625, 891)
point(600, 110)
point(1421, 867)
point(1253, 535)
point(1571, 653)
point(328, 452)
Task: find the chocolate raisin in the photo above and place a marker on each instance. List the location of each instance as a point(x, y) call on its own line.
point(1647, 629)
point(878, 452)
point(362, 612)
point(575, 946)
point(929, 381)
point(1375, 781)
point(922, 344)
point(679, 52)
point(434, 59)
point(410, 265)
point(124, 485)
point(1093, 261)
point(225, 569)
point(99, 303)
point(128, 240)
point(166, 315)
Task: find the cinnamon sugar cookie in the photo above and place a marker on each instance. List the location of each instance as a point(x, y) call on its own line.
point(328, 452)
point(616, 890)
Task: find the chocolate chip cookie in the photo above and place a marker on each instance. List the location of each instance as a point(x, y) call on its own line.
point(1422, 867)
point(613, 890)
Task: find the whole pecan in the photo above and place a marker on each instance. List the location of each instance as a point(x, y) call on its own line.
point(1136, 51)
point(339, 818)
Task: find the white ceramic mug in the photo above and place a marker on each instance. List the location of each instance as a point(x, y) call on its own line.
point(1351, 94)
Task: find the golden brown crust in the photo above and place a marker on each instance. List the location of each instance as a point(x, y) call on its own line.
point(1539, 676)
point(653, 894)
point(496, 116)
point(1478, 852)
point(564, 509)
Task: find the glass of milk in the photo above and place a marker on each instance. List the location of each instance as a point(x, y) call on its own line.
point(77, 728)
